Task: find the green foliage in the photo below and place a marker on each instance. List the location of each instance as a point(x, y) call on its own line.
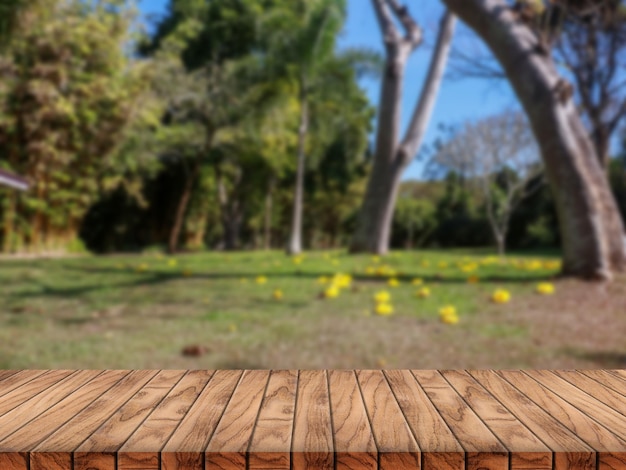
point(69, 96)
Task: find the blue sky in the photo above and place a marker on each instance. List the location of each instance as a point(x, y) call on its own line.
point(458, 100)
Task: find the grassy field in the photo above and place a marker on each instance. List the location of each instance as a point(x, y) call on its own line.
point(141, 311)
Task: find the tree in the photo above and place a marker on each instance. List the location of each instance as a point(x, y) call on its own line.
point(302, 52)
point(591, 48)
point(211, 86)
point(499, 155)
point(588, 47)
point(590, 224)
point(391, 156)
point(68, 96)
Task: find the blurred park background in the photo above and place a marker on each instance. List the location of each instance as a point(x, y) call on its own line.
point(312, 184)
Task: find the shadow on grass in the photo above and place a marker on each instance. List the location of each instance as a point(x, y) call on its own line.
point(152, 278)
point(605, 359)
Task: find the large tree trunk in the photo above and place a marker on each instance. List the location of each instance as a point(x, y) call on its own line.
point(391, 158)
point(590, 224)
point(295, 240)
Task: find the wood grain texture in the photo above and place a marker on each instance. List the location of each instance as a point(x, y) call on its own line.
point(596, 423)
point(440, 448)
point(14, 460)
point(354, 441)
point(198, 425)
point(312, 446)
point(484, 449)
point(12, 381)
point(44, 424)
point(271, 442)
point(75, 431)
point(570, 451)
point(30, 387)
point(47, 398)
point(606, 379)
point(396, 445)
point(526, 450)
point(296, 420)
point(598, 390)
point(100, 448)
point(50, 461)
point(228, 447)
point(141, 450)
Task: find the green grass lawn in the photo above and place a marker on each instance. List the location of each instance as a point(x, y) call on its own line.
point(140, 311)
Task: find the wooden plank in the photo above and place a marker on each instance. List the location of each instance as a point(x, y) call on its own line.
point(6, 373)
point(526, 450)
point(187, 443)
point(44, 424)
point(55, 452)
point(621, 373)
point(14, 460)
point(570, 451)
point(606, 379)
point(228, 447)
point(396, 445)
point(29, 385)
point(440, 448)
point(483, 448)
point(271, 441)
point(595, 423)
point(600, 392)
point(141, 450)
point(354, 441)
point(98, 452)
point(50, 461)
point(31, 408)
point(312, 446)
point(19, 379)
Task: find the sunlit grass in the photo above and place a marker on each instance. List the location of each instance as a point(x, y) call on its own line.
point(140, 311)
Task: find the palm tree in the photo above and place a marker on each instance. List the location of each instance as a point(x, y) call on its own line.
point(301, 43)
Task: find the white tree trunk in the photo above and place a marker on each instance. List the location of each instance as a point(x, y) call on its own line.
point(590, 224)
point(295, 240)
point(392, 157)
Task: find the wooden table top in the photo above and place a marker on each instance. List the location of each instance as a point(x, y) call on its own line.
point(313, 419)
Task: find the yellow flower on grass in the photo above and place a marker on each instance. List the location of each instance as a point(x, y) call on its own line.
point(322, 280)
point(382, 297)
point(172, 262)
point(342, 281)
point(375, 259)
point(443, 264)
point(423, 293)
point(297, 260)
point(473, 279)
point(417, 281)
point(331, 292)
point(277, 294)
point(261, 280)
point(448, 315)
point(545, 288)
point(142, 267)
point(335, 262)
point(370, 270)
point(384, 309)
point(501, 296)
point(393, 282)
